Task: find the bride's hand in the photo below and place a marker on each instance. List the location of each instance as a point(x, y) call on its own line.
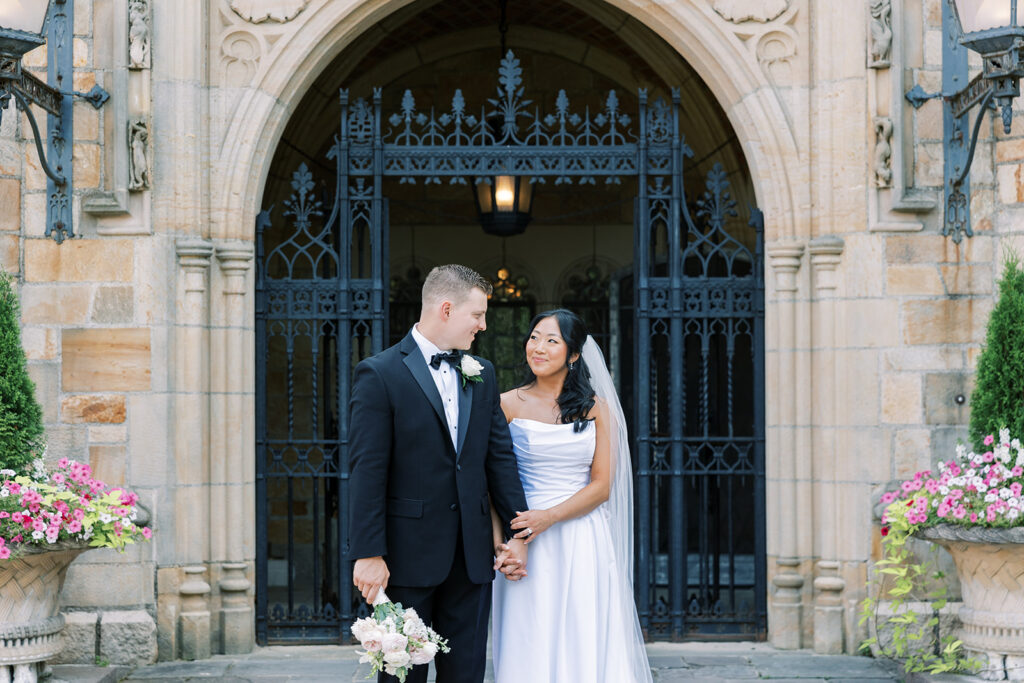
point(531, 524)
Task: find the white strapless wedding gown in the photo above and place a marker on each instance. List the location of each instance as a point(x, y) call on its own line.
point(572, 618)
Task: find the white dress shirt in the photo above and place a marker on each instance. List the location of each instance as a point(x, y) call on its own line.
point(447, 381)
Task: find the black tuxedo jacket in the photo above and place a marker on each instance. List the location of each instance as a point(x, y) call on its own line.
point(411, 489)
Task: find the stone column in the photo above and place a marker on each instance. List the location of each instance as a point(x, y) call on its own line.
point(190, 445)
point(235, 496)
point(825, 253)
point(781, 451)
point(195, 614)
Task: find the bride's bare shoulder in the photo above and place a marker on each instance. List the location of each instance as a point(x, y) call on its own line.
point(511, 401)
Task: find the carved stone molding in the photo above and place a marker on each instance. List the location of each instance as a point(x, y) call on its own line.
point(139, 34)
point(883, 151)
point(194, 257)
point(881, 34)
point(258, 11)
point(828, 609)
point(825, 255)
point(240, 57)
point(785, 261)
point(739, 11)
point(786, 604)
point(235, 260)
point(138, 155)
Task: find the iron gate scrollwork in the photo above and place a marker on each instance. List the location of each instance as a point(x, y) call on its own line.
point(692, 384)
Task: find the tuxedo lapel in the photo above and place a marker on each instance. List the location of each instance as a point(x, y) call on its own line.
point(465, 407)
point(418, 367)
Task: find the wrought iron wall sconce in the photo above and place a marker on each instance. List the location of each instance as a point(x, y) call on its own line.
point(990, 28)
point(24, 26)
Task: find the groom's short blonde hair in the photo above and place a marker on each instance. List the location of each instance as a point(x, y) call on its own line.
point(453, 283)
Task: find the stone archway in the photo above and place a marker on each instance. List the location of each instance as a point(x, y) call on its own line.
point(265, 69)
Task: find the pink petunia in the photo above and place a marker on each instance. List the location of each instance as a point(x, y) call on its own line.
point(974, 517)
point(146, 532)
point(5, 552)
point(989, 440)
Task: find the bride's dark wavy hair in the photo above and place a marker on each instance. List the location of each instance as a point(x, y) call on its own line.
point(577, 397)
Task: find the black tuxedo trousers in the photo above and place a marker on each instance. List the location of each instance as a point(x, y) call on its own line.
point(423, 503)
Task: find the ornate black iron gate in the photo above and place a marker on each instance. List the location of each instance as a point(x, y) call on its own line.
point(694, 326)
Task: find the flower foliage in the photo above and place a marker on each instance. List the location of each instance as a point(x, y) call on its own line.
point(396, 639)
point(66, 505)
point(973, 489)
point(997, 401)
point(21, 418)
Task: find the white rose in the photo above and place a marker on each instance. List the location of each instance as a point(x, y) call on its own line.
point(470, 366)
point(424, 654)
point(394, 642)
point(415, 628)
point(362, 627)
point(397, 659)
point(373, 639)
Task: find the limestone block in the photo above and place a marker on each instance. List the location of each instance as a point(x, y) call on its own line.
point(913, 280)
point(912, 450)
point(93, 408)
point(33, 214)
point(108, 434)
point(1010, 180)
point(924, 358)
point(113, 305)
point(80, 53)
point(128, 637)
point(86, 164)
point(10, 199)
point(108, 463)
point(79, 637)
point(10, 249)
point(901, 398)
point(947, 321)
point(84, 81)
point(928, 169)
point(940, 394)
point(105, 359)
point(55, 304)
point(40, 343)
point(46, 377)
point(108, 585)
point(86, 260)
point(83, 17)
point(867, 323)
point(1010, 150)
point(65, 441)
point(87, 126)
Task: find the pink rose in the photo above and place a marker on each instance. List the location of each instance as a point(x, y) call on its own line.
point(394, 642)
point(423, 654)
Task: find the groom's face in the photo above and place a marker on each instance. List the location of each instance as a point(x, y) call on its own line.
point(466, 318)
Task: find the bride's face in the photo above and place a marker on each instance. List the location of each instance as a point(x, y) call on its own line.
point(545, 349)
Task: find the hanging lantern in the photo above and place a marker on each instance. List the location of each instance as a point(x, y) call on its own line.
point(503, 205)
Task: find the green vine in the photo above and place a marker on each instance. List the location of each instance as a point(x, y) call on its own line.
point(906, 581)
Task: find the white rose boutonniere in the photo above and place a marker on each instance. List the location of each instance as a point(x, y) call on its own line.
point(470, 369)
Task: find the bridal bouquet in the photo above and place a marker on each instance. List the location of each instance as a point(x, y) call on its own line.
point(395, 639)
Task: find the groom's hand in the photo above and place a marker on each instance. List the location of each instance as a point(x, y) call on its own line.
point(370, 574)
point(516, 562)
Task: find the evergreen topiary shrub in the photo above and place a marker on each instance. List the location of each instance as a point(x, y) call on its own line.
point(998, 398)
point(21, 418)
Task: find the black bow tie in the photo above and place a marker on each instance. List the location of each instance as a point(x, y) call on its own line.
point(452, 357)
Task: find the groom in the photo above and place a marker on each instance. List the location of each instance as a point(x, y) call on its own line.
point(430, 451)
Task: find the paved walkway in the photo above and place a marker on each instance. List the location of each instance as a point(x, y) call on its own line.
point(669, 662)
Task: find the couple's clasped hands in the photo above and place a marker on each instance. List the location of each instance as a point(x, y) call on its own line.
point(510, 557)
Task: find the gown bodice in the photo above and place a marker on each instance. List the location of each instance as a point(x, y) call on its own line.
point(554, 460)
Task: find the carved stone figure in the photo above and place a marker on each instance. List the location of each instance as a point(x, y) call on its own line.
point(883, 151)
point(881, 33)
point(138, 159)
point(257, 11)
point(738, 11)
point(138, 34)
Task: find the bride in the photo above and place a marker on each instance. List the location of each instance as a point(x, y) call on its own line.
point(569, 616)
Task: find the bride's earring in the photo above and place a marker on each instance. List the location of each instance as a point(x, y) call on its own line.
point(570, 365)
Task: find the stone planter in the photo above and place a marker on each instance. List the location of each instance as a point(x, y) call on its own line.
point(990, 566)
point(30, 618)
